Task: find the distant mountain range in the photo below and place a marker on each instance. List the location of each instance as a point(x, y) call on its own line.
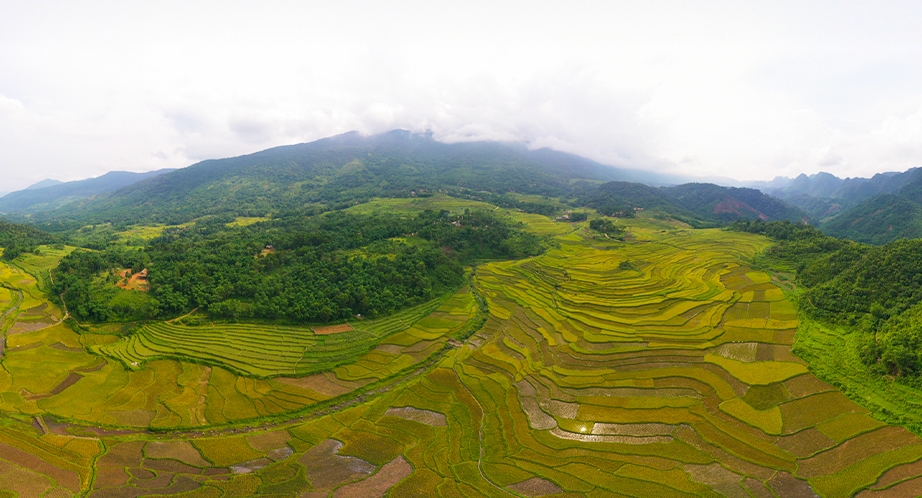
point(877, 210)
point(52, 194)
point(48, 182)
point(695, 203)
point(351, 168)
point(346, 169)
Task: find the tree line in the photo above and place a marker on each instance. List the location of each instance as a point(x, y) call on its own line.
point(875, 289)
point(294, 268)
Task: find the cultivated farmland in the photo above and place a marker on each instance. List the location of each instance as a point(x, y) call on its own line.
point(659, 366)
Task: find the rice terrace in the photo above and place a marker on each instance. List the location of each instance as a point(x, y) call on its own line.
point(656, 365)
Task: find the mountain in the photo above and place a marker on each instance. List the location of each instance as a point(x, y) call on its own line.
point(16, 239)
point(881, 219)
point(886, 217)
point(343, 170)
point(51, 194)
point(48, 182)
point(778, 183)
point(824, 195)
point(696, 203)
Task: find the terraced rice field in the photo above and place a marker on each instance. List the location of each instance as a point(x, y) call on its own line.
point(670, 375)
point(54, 370)
point(24, 306)
point(259, 350)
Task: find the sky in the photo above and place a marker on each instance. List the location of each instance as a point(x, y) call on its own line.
point(747, 90)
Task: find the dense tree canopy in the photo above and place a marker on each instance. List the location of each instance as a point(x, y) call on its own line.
point(17, 239)
point(878, 289)
point(294, 268)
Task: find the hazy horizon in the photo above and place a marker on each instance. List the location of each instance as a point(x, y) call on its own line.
point(721, 89)
point(733, 182)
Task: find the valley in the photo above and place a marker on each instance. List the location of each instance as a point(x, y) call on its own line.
point(660, 364)
point(392, 316)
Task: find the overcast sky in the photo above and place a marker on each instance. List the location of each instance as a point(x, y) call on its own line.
point(741, 89)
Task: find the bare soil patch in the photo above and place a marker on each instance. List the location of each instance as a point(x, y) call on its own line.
point(63, 477)
point(912, 487)
point(137, 281)
point(853, 451)
point(267, 441)
point(649, 429)
point(279, 453)
point(92, 368)
point(160, 481)
point(805, 385)
point(173, 466)
point(252, 465)
point(24, 482)
point(427, 417)
point(784, 484)
point(594, 438)
point(139, 473)
point(26, 347)
point(22, 327)
point(110, 477)
point(36, 310)
point(60, 346)
point(535, 486)
point(332, 329)
point(805, 443)
point(71, 379)
point(719, 478)
point(326, 469)
point(377, 485)
point(900, 473)
point(390, 348)
point(177, 450)
point(123, 455)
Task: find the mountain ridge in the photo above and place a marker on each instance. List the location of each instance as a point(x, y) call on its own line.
point(52, 194)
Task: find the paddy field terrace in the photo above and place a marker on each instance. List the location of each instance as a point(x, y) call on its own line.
point(659, 365)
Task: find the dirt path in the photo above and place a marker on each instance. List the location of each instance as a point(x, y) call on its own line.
point(181, 317)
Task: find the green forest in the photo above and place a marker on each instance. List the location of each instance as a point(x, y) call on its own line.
point(295, 268)
point(876, 290)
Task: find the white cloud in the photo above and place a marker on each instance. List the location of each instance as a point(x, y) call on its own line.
point(723, 88)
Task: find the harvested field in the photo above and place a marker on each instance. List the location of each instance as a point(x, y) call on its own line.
point(535, 486)
point(182, 451)
point(332, 329)
point(674, 378)
point(24, 327)
point(427, 417)
point(379, 483)
point(326, 469)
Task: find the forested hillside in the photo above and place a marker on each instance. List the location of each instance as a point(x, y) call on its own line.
point(16, 239)
point(700, 204)
point(350, 169)
point(885, 217)
point(295, 268)
point(877, 290)
point(46, 196)
point(335, 173)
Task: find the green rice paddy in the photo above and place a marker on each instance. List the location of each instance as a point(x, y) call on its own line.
point(659, 366)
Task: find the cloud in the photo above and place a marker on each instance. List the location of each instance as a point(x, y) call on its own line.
point(742, 90)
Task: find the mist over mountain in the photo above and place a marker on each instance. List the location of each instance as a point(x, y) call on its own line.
point(344, 170)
